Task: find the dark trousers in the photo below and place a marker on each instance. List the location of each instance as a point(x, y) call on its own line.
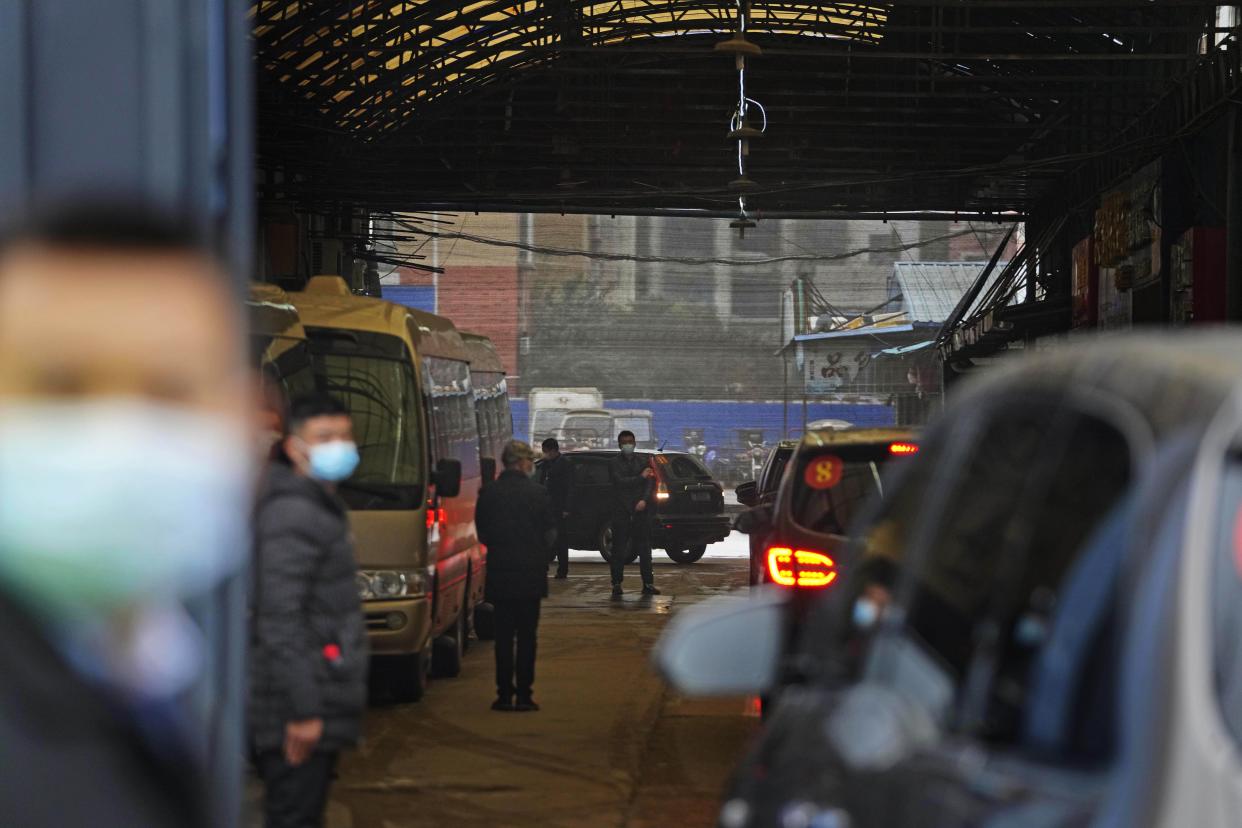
point(560, 548)
point(295, 797)
point(517, 623)
point(631, 533)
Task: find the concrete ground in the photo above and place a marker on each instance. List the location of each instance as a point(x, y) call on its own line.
point(611, 747)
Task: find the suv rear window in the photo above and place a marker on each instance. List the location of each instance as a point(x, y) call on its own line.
point(834, 483)
point(681, 466)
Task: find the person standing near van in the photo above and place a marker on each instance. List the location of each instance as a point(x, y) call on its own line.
point(308, 636)
point(556, 476)
point(633, 491)
point(515, 522)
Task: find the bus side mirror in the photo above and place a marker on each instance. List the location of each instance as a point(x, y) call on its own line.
point(748, 493)
point(448, 477)
point(487, 467)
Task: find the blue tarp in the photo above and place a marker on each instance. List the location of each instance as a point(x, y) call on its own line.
point(720, 418)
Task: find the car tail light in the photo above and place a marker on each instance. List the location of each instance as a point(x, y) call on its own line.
point(800, 568)
point(435, 516)
point(903, 448)
point(662, 492)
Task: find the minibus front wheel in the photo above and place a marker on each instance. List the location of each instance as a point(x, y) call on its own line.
point(410, 675)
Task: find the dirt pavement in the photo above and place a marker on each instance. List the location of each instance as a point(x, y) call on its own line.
point(611, 747)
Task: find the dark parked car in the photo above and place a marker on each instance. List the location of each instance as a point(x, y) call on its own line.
point(833, 473)
point(761, 493)
point(1062, 648)
point(689, 504)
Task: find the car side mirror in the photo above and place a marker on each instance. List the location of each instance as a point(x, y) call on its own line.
point(487, 467)
point(753, 521)
point(748, 493)
point(448, 477)
point(726, 646)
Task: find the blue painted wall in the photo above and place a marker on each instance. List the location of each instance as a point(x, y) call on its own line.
point(720, 418)
point(419, 297)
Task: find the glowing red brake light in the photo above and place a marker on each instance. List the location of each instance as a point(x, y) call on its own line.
point(800, 568)
point(435, 516)
point(903, 448)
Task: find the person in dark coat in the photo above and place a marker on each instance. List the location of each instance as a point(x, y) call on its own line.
point(516, 523)
point(125, 472)
point(633, 505)
point(309, 652)
point(557, 476)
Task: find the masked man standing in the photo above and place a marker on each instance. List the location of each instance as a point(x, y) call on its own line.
point(125, 470)
point(633, 488)
point(309, 646)
point(515, 522)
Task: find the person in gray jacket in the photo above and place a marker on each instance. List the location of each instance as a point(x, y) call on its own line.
point(308, 635)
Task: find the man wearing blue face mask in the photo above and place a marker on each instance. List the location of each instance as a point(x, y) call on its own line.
point(633, 491)
point(125, 472)
point(309, 654)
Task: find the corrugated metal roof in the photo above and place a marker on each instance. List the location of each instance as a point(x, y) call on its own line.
point(931, 290)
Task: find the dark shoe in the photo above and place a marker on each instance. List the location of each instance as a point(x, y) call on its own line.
point(649, 589)
point(560, 576)
point(504, 705)
point(616, 590)
point(526, 706)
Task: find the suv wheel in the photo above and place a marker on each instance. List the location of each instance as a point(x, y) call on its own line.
point(604, 540)
point(687, 556)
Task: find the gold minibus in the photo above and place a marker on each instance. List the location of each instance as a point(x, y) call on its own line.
point(405, 377)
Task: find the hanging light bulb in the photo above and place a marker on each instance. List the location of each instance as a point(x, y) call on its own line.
point(740, 46)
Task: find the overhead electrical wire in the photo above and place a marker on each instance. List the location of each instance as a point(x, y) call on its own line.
point(597, 255)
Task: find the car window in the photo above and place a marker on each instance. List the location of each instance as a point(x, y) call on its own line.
point(1226, 609)
point(591, 471)
point(994, 545)
point(831, 485)
point(775, 469)
point(684, 467)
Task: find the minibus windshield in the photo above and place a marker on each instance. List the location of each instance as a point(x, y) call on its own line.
point(373, 375)
point(285, 361)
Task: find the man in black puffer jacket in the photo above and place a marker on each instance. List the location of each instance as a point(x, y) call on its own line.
point(516, 524)
point(308, 635)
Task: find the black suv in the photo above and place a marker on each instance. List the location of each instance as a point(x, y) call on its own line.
point(689, 504)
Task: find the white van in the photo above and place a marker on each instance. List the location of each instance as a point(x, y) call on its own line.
point(547, 406)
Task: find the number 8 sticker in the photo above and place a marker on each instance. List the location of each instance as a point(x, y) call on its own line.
point(824, 472)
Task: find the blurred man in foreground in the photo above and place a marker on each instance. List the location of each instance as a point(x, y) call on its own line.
point(516, 523)
point(557, 477)
point(125, 460)
point(308, 676)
